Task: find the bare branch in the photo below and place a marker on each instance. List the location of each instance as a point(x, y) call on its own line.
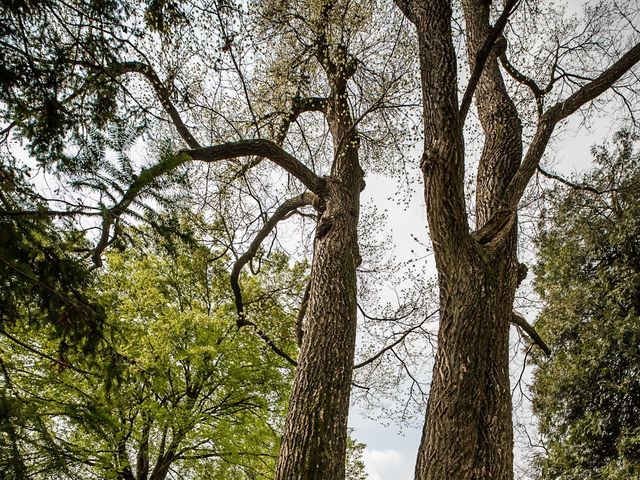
point(404, 335)
point(531, 332)
point(281, 212)
point(595, 87)
point(519, 77)
point(569, 183)
point(271, 343)
point(559, 112)
point(299, 106)
point(263, 148)
point(163, 95)
point(583, 186)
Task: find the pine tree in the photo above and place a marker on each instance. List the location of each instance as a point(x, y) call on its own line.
point(587, 393)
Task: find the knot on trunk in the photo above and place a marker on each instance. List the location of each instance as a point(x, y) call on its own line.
point(523, 270)
point(324, 227)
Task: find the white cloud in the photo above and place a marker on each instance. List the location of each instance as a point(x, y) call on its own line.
point(386, 464)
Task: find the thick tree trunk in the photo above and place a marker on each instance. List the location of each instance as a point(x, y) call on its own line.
point(314, 440)
point(315, 433)
point(468, 430)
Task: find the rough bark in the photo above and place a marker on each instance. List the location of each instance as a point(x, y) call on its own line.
point(468, 428)
point(467, 433)
point(314, 440)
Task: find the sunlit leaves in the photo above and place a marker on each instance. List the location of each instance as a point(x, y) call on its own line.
point(183, 371)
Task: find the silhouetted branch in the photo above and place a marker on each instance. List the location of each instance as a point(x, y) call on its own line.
point(281, 213)
point(531, 332)
point(394, 344)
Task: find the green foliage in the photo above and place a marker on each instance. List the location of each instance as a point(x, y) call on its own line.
point(354, 469)
point(41, 69)
point(60, 68)
point(175, 385)
point(587, 394)
point(43, 278)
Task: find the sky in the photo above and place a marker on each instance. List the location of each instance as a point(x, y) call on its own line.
point(390, 452)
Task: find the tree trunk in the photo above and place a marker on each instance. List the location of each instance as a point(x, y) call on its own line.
point(314, 440)
point(468, 429)
point(315, 433)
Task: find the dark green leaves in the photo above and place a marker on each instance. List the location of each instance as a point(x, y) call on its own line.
point(587, 395)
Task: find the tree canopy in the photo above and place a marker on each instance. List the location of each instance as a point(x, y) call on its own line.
point(174, 388)
point(586, 394)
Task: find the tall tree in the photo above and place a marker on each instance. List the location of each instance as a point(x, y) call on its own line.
point(586, 395)
point(326, 70)
point(468, 428)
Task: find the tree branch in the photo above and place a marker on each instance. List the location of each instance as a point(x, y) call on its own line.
point(519, 77)
point(62, 363)
point(281, 212)
point(568, 183)
point(215, 153)
point(300, 105)
point(394, 344)
point(531, 332)
point(263, 148)
point(595, 87)
point(549, 120)
point(163, 95)
point(483, 55)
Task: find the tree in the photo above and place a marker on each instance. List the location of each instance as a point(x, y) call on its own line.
point(175, 388)
point(586, 394)
point(316, 53)
point(43, 277)
point(468, 428)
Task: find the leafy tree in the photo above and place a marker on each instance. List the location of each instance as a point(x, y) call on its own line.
point(511, 47)
point(354, 469)
point(586, 395)
point(44, 278)
point(175, 388)
point(300, 112)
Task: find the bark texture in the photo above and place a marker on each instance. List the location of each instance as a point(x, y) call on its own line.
point(468, 432)
point(314, 440)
